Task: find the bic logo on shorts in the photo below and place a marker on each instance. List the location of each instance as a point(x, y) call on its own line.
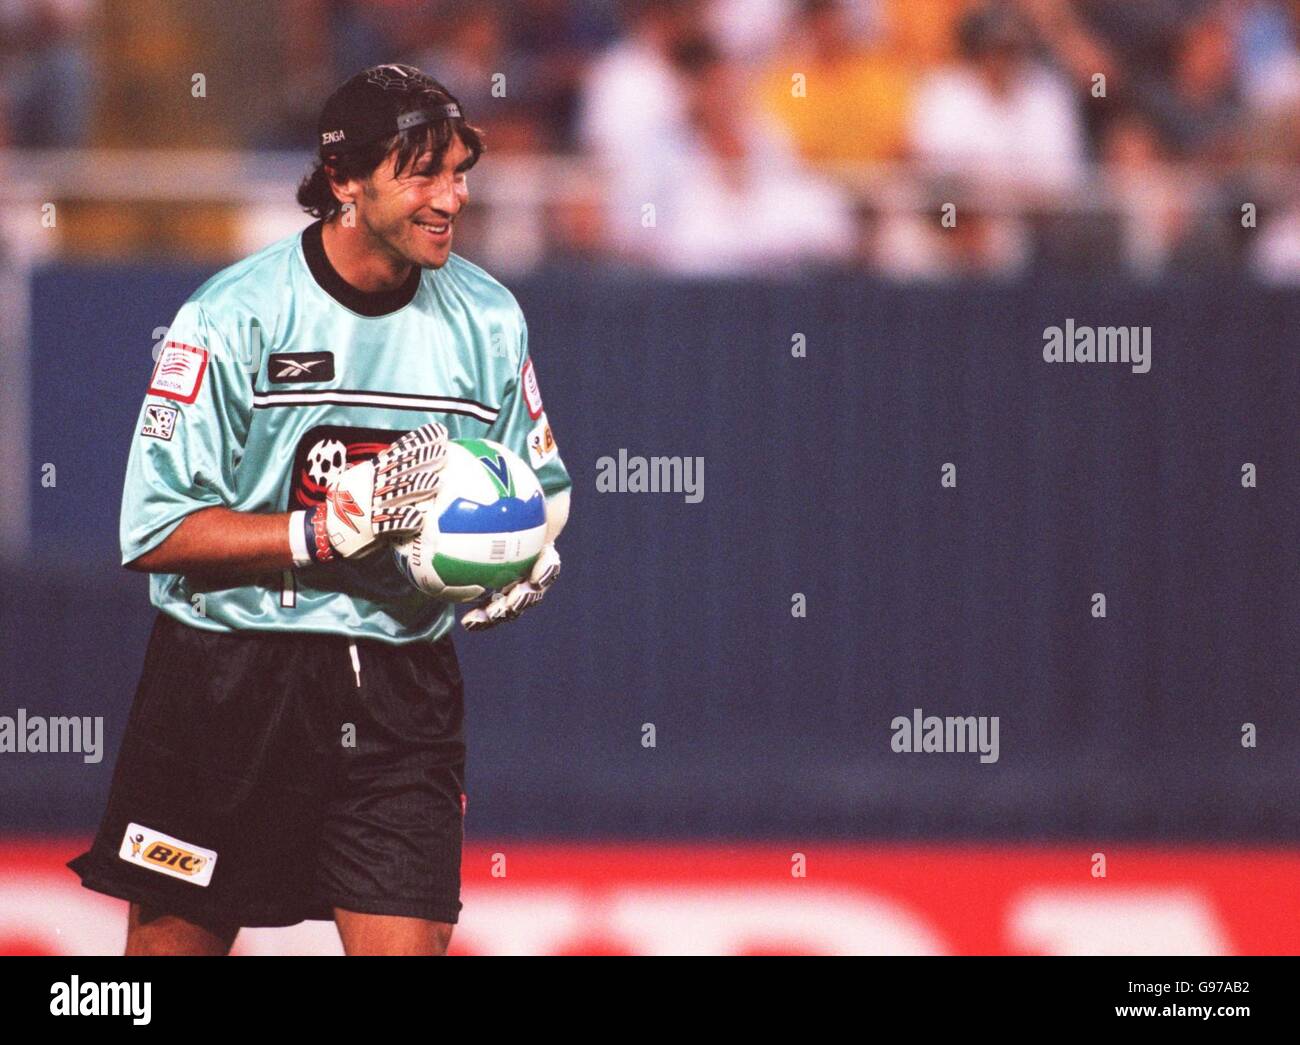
point(167, 855)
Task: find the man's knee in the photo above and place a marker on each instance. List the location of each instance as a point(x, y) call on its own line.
point(442, 937)
point(385, 934)
point(151, 932)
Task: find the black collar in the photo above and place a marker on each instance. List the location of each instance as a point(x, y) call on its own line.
point(368, 303)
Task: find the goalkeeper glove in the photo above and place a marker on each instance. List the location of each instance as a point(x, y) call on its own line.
point(379, 498)
point(514, 598)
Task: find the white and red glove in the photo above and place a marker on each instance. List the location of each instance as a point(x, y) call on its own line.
point(378, 499)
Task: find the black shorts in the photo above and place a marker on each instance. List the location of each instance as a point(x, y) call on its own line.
point(260, 784)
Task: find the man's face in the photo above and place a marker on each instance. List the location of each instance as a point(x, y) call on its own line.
point(411, 218)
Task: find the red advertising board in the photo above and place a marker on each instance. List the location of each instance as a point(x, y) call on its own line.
point(806, 898)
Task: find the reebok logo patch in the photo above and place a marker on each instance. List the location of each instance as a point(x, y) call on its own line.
point(301, 366)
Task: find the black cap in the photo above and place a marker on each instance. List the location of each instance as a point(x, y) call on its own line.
point(378, 103)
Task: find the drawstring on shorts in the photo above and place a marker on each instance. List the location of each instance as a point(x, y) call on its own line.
point(356, 660)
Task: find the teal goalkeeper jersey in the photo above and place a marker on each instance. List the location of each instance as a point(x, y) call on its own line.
point(275, 376)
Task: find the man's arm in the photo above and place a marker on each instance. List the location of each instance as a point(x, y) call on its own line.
point(181, 475)
point(370, 501)
point(220, 539)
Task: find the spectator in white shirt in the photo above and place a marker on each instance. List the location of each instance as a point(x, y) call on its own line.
point(1000, 117)
point(737, 200)
point(632, 110)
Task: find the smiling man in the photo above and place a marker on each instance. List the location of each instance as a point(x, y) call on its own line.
point(295, 749)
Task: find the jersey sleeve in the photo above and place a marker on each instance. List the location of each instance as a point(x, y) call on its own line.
point(522, 425)
point(190, 435)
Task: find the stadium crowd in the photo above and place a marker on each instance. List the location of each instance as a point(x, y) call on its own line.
point(761, 133)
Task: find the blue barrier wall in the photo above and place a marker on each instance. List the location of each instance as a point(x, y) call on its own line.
point(822, 476)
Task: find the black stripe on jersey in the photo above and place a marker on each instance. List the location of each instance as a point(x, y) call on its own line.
point(278, 392)
point(366, 397)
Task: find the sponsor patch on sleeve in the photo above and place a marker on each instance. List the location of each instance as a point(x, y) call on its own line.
point(532, 394)
point(159, 421)
point(179, 373)
point(541, 444)
point(156, 851)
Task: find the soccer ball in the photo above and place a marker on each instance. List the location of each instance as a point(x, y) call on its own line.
point(484, 529)
point(326, 461)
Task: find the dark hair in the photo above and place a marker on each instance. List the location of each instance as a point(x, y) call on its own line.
point(694, 54)
point(986, 30)
point(317, 197)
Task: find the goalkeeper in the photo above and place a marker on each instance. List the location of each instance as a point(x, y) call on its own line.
point(295, 748)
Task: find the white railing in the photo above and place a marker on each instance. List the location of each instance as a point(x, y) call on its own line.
point(517, 192)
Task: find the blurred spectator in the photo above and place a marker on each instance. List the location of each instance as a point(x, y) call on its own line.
point(687, 106)
point(1199, 112)
point(1001, 131)
point(998, 117)
point(369, 32)
point(633, 109)
point(851, 100)
point(1152, 208)
point(469, 48)
point(633, 102)
point(1065, 36)
point(517, 67)
point(576, 231)
point(558, 39)
point(1275, 253)
point(750, 30)
point(925, 32)
point(1268, 53)
point(1136, 41)
point(46, 72)
point(326, 41)
point(1129, 44)
point(737, 200)
point(1276, 256)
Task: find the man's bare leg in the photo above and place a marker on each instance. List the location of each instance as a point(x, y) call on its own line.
point(391, 934)
point(149, 932)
